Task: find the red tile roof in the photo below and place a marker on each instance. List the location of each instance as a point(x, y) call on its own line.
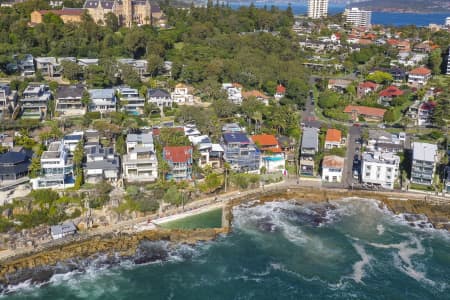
point(281, 89)
point(267, 142)
point(368, 85)
point(177, 154)
point(430, 105)
point(333, 161)
point(365, 110)
point(333, 135)
point(254, 93)
point(391, 91)
point(420, 71)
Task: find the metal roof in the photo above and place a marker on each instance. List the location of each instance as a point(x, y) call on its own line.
point(424, 151)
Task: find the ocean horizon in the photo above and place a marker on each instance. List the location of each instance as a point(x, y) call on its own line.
point(378, 18)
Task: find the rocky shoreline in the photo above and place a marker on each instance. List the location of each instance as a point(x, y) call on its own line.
point(40, 265)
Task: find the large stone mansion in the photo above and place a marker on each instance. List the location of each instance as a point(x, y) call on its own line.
point(129, 12)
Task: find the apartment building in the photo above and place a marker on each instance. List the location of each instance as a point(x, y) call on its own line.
point(380, 169)
point(423, 163)
point(358, 17)
point(240, 152)
point(140, 163)
point(34, 101)
point(317, 9)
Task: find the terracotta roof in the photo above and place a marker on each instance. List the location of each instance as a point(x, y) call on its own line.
point(333, 135)
point(368, 85)
point(267, 142)
point(420, 71)
point(430, 105)
point(391, 91)
point(281, 89)
point(254, 93)
point(333, 161)
point(177, 154)
point(64, 11)
point(365, 110)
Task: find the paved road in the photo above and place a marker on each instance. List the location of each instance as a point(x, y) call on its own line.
point(354, 133)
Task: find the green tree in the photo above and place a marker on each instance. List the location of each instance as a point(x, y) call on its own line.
point(111, 21)
point(172, 196)
point(389, 116)
point(121, 145)
point(435, 61)
point(71, 70)
point(380, 77)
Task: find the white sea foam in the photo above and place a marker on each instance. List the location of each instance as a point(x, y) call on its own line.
point(380, 229)
point(358, 267)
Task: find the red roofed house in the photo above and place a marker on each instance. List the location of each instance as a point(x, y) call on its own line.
point(419, 76)
point(258, 95)
point(425, 113)
point(368, 113)
point(281, 90)
point(388, 94)
point(366, 87)
point(273, 158)
point(179, 159)
point(333, 138)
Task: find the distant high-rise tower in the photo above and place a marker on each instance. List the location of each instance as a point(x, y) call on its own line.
point(317, 8)
point(358, 17)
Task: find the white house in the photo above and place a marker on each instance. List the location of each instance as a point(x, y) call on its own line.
point(380, 169)
point(101, 164)
point(71, 140)
point(210, 154)
point(332, 167)
point(131, 101)
point(62, 230)
point(56, 168)
point(419, 76)
point(234, 92)
point(102, 100)
point(159, 97)
point(181, 94)
point(140, 163)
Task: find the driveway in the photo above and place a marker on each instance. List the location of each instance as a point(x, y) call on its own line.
point(354, 133)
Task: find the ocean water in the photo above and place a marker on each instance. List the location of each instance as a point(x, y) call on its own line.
point(349, 249)
point(381, 18)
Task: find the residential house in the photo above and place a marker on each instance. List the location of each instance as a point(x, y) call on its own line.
point(180, 161)
point(159, 97)
point(182, 94)
point(8, 100)
point(190, 130)
point(56, 168)
point(333, 138)
point(425, 47)
point(72, 140)
point(419, 76)
point(234, 92)
point(91, 137)
point(368, 113)
point(102, 100)
point(272, 156)
point(210, 154)
point(26, 66)
point(389, 94)
point(232, 127)
point(257, 95)
point(365, 88)
point(86, 62)
point(240, 152)
point(308, 150)
point(140, 163)
point(410, 59)
point(102, 163)
point(48, 66)
point(140, 66)
point(339, 85)
point(130, 100)
point(14, 165)
point(280, 92)
point(69, 100)
point(383, 141)
point(380, 169)
point(6, 140)
point(34, 101)
point(423, 163)
point(66, 229)
point(425, 113)
point(332, 168)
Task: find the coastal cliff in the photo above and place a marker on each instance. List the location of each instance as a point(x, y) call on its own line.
point(122, 244)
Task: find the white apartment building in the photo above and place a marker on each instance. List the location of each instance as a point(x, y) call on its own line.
point(424, 163)
point(234, 92)
point(56, 168)
point(358, 17)
point(317, 9)
point(380, 169)
point(140, 163)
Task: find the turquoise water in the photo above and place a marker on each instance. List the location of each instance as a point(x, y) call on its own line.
point(209, 219)
point(348, 250)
